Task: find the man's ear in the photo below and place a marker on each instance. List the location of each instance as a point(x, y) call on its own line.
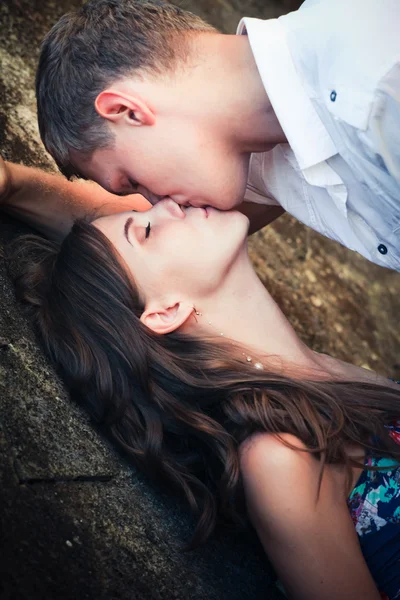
point(117, 106)
point(166, 320)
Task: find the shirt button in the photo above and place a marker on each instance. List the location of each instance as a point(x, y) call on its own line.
point(333, 95)
point(382, 249)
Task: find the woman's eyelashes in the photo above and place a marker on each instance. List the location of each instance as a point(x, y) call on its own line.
point(148, 229)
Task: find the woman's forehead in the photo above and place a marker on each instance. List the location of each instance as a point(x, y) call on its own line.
point(111, 225)
point(111, 221)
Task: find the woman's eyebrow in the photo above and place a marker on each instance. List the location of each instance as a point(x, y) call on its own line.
point(128, 223)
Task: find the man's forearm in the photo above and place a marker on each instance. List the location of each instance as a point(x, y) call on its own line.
point(51, 204)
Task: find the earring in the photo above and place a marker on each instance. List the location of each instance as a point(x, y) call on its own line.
point(256, 365)
point(197, 314)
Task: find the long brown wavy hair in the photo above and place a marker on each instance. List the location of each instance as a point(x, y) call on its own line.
point(179, 406)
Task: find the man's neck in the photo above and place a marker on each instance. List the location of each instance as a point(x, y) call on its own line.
point(260, 127)
point(240, 100)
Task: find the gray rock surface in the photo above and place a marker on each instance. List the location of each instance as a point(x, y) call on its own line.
point(76, 521)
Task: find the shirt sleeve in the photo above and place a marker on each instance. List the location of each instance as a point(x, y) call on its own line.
point(384, 125)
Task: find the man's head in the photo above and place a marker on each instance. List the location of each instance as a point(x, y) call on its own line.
point(134, 92)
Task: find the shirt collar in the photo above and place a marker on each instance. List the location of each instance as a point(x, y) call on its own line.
point(301, 124)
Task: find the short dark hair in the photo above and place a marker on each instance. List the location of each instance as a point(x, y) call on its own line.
point(90, 48)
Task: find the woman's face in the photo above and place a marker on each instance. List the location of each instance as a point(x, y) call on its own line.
point(174, 250)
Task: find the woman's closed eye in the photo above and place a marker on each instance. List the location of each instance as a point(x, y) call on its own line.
point(129, 222)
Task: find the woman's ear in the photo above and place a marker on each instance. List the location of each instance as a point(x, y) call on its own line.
point(117, 106)
point(168, 319)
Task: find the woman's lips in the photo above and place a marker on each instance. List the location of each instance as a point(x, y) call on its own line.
point(203, 210)
point(197, 210)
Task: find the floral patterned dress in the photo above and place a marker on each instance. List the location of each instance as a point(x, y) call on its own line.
point(374, 505)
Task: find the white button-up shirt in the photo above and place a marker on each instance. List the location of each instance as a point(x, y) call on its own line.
point(332, 73)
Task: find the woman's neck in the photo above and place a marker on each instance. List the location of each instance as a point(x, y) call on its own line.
point(245, 312)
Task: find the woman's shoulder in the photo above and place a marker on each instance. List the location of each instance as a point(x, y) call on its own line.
point(275, 451)
point(279, 458)
point(278, 471)
point(298, 526)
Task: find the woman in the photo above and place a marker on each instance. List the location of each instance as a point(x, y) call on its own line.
point(162, 330)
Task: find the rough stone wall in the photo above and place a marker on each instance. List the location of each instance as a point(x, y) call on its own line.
point(76, 521)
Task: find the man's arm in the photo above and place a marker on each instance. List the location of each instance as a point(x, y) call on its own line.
point(51, 204)
point(383, 132)
point(260, 215)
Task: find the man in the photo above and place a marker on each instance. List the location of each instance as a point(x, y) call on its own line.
point(301, 114)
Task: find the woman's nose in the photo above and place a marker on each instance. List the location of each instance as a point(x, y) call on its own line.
point(171, 208)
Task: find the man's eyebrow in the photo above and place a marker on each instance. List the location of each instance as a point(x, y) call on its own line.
point(128, 223)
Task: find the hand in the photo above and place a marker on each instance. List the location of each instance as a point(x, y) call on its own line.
point(5, 181)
